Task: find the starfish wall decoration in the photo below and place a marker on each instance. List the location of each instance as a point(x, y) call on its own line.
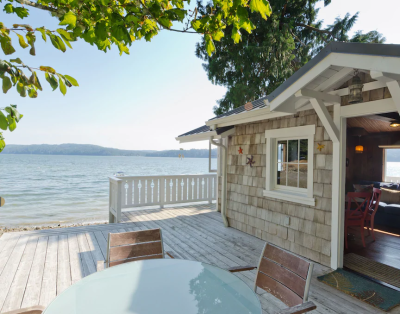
point(250, 161)
point(320, 146)
point(240, 151)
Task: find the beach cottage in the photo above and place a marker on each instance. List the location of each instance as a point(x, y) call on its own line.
point(287, 160)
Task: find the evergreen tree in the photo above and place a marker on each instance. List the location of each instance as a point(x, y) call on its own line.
point(273, 51)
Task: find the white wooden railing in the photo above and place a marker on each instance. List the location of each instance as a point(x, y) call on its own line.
point(129, 192)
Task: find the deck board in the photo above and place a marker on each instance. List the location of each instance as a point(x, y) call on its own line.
point(35, 266)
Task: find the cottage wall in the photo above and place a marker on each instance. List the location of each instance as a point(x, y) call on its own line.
point(309, 231)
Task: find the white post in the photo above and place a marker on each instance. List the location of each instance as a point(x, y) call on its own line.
point(338, 191)
point(115, 200)
point(119, 201)
point(162, 192)
point(209, 189)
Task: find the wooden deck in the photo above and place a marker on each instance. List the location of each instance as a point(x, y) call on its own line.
point(36, 266)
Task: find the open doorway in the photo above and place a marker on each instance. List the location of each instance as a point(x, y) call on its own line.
point(373, 161)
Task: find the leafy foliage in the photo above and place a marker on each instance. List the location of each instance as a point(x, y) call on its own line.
point(104, 23)
point(273, 51)
point(9, 117)
point(12, 71)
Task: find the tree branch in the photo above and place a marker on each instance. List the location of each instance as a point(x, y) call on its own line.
point(37, 5)
point(321, 31)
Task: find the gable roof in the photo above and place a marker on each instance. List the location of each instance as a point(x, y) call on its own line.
point(326, 72)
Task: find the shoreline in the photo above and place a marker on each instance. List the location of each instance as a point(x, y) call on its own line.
point(44, 227)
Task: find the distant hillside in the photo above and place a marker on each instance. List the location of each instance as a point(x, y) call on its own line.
point(393, 155)
point(94, 150)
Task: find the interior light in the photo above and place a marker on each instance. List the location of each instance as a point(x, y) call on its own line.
point(359, 149)
point(395, 124)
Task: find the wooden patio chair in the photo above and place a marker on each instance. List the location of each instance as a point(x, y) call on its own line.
point(356, 217)
point(29, 310)
point(133, 246)
point(285, 276)
point(372, 209)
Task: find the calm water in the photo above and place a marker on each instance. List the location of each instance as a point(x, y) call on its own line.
point(393, 169)
point(40, 189)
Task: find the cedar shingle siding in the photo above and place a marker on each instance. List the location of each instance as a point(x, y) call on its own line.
point(309, 231)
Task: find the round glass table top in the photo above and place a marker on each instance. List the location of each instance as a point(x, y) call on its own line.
point(159, 286)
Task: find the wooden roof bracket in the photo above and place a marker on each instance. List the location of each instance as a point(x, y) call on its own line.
point(317, 100)
point(392, 83)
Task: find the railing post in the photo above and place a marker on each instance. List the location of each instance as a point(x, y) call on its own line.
point(162, 192)
point(119, 201)
point(115, 200)
point(209, 188)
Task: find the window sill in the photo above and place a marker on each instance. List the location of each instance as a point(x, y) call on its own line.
point(290, 197)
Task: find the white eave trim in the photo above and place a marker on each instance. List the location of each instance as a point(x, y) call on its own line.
point(205, 136)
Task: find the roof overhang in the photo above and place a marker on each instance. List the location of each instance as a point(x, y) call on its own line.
point(205, 136)
point(318, 75)
point(320, 78)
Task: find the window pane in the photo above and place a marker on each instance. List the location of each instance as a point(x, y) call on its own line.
point(303, 176)
point(292, 175)
point(282, 151)
point(393, 165)
point(293, 155)
point(303, 150)
point(281, 175)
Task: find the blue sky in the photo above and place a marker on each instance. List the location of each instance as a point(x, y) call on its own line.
point(145, 99)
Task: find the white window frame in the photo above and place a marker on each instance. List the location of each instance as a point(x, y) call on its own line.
point(386, 178)
point(291, 194)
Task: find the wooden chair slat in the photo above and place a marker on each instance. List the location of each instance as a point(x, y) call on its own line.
point(294, 263)
point(136, 250)
point(135, 237)
point(289, 279)
point(135, 259)
point(278, 290)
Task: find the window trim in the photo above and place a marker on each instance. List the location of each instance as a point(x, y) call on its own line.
point(386, 178)
point(292, 194)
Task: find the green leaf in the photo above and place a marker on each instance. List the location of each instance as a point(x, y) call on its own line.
point(36, 81)
point(101, 31)
point(43, 31)
point(60, 43)
point(69, 19)
point(6, 84)
point(3, 121)
point(54, 41)
point(21, 12)
point(31, 38)
point(165, 22)
point(21, 89)
point(210, 48)
point(17, 60)
point(261, 6)
point(73, 81)
point(176, 14)
point(47, 69)
point(122, 48)
point(6, 46)
point(8, 8)
point(14, 112)
point(236, 36)
point(12, 124)
point(2, 145)
point(52, 80)
point(32, 93)
point(63, 88)
point(218, 35)
point(22, 42)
